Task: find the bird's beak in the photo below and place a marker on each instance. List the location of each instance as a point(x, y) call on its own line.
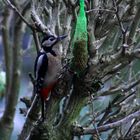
point(59, 38)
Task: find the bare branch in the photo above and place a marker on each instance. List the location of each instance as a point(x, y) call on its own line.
point(66, 3)
point(50, 2)
point(134, 25)
point(124, 31)
point(104, 10)
point(46, 11)
point(32, 78)
point(131, 127)
point(106, 63)
point(87, 131)
point(26, 101)
point(18, 12)
point(121, 88)
point(32, 116)
point(38, 23)
point(36, 40)
point(118, 17)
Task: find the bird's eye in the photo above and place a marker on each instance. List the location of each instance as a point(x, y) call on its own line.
point(51, 39)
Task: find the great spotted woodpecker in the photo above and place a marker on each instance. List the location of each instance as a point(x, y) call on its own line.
point(46, 68)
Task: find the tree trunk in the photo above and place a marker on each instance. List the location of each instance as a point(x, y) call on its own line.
point(48, 130)
point(6, 122)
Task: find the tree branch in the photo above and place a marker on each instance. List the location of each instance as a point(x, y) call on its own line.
point(38, 23)
point(36, 40)
point(121, 88)
point(124, 31)
point(6, 45)
point(88, 131)
point(104, 10)
point(18, 12)
point(106, 63)
point(134, 25)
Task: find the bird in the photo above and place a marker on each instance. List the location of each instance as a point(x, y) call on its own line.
point(46, 68)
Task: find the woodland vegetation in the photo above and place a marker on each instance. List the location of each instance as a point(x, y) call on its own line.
point(103, 103)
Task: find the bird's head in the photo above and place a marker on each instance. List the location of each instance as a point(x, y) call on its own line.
point(49, 41)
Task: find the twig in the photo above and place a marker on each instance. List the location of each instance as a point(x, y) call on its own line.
point(93, 10)
point(101, 70)
point(122, 88)
point(118, 17)
point(134, 26)
point(24, 10)
point(125, 98)
point(65, 104)
point(38, 23)
point(46, 11)
point(93, 120)
point(51, 3)
point(124, 31)
point(31, 117)
point(36, 40)
point(118, 2)
point(117, 68)
point(107, 111)
point(87, 131)
point(73, 4)
point(131, 85)
point(129, 130)
point(18, 12)
point(32, 78)
point(26, 101)
point(40, 26)
point(117, 103)
point(66, 3)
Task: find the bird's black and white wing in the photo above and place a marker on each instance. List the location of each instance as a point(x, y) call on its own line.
point(40, 70)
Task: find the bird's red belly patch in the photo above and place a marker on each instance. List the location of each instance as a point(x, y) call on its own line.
point(46, 90)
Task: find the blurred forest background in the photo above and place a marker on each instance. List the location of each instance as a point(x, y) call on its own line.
point(101, 104)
